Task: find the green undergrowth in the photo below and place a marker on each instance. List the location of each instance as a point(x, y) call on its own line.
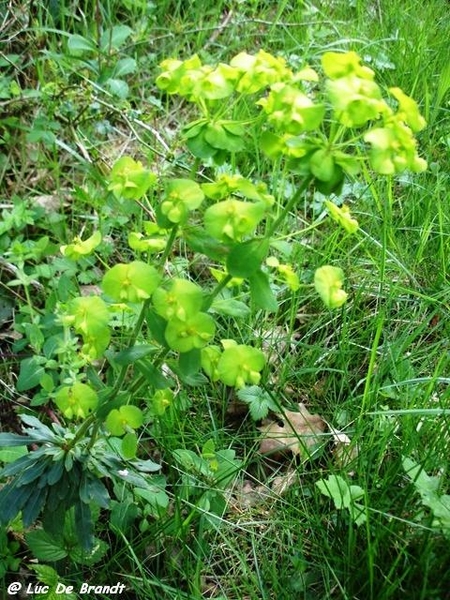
point(366, 519)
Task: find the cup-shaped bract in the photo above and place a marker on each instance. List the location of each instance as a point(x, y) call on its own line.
point(328, 281)
point(124, 419)
point(130, 179)
point(231, 220)
point(181, 196)
point(290, 110)
point(79, 248)
point(89, 316)
point(194, 332)
point(240, 365)
point(259, 70)
point(132, 282)
point(182, 300)
point(394, 148)
point(76, 401)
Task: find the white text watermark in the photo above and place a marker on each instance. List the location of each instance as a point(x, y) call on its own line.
point(33, 589)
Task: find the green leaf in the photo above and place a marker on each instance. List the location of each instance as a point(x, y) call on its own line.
point(231, 220)
point(88, 558)
point(115, 37)
point(77, 44)
point(12, 499)
point(76, 401)
point(31, 371)
point(240, 364)
point(218, 137)
point(79, 247)
point(130, 355)
point(44, 546)
point(194, 332)
point(132, 282)
point(154, 377)
point(12, 439)
point(123, 515)
point(200, 147)
point(231, 307)
point(146, 466)
point(181, 196)
point(182, 299)
point(189, 461)
point(245, 259)
point(199, 241)
point(84, 525)
point(46, 575)
point(427, 486)
point(130, 179)
point(261, 292)
point(93, 490)
point(259, 401)
point(55, 472)
point(117, 87)
point(129, 445)
point(120, 420)
point(155, 497)
point(189, 362)
point(157, 326)
point(33, 507)
point(8, 455)
point(124, 66)
point(344, 496)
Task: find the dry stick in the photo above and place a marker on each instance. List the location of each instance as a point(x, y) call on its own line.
point(226, 19)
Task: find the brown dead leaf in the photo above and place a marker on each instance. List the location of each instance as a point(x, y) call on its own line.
point(247, 494)
point(282, 483)
point(296, 432)
point(49, 202)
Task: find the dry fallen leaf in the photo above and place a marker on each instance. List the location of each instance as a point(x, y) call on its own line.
point(296, 432)
point(282, 483)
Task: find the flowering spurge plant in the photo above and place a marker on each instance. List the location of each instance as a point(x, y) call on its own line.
point(115, 362)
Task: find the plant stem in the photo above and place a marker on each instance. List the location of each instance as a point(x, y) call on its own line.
point(289, 206)
point(219, 287)
point(168, 248)
point(82, 430)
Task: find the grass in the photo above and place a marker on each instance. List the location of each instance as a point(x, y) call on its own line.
point(377, 369)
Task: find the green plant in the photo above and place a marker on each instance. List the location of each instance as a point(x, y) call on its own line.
point(344, 496)
point(429, 489)
point(112, 363)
